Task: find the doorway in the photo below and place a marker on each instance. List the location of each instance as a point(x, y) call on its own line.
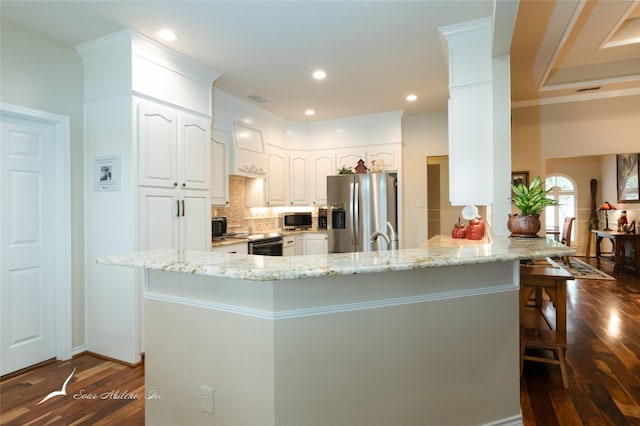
point(35, 259)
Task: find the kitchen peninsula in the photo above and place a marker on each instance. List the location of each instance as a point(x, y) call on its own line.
point(415, 336)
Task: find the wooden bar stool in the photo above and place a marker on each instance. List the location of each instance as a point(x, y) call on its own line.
point(553, 280)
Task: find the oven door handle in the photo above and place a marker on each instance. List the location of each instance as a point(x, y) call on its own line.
point(269, 244)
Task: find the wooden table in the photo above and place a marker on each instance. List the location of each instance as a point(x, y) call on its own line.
point(625, 248)
point(553, 280)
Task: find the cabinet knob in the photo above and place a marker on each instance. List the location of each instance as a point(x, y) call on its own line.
point(175, 183)
point(184, 185)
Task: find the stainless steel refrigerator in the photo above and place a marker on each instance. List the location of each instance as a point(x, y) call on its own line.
point(358, 206)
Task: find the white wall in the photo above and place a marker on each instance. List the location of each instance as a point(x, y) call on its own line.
point(424, 135)
point(604, 126)
point(42, 74)
point(542, 136)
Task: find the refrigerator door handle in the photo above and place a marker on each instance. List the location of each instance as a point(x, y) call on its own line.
point(355, 211)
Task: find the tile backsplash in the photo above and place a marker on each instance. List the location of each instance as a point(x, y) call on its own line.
point(254, 219)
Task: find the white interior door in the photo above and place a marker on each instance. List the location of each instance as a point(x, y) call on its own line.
point(27, 243)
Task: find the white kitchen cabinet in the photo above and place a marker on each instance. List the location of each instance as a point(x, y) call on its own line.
point(277, 172)
point(324, 164)
point(289, 245)
point(350, 157)
point(149, 107)
point(219, 173)
point(237, 248)
point(157, 146)
point(176, 219)
point(174, 148)
point(316, 244)
point(299, 244)
point(174, 154)
point(389, 155)
point(299, 178)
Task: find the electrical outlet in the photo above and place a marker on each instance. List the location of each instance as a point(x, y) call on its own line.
point(206, 399)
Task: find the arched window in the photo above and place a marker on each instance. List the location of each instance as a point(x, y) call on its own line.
point(563, 190)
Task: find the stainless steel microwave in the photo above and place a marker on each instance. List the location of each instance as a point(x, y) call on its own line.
point(296, 220)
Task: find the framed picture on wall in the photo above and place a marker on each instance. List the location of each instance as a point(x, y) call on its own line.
point(518, 178)
point(627, 170)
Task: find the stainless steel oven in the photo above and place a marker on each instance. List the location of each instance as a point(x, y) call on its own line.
point(265, 245)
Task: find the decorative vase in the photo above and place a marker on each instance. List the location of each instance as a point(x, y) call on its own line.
point(524, 226)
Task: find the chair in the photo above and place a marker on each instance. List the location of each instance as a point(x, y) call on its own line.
point(565, 236)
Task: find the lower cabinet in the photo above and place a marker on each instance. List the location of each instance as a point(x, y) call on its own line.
point(174, 219)
point(315, 244)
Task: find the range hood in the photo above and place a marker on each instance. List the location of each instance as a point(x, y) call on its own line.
point(247, 155)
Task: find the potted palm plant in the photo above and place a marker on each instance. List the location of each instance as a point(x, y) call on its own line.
point(530, 200)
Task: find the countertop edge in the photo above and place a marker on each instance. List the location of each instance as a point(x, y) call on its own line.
point(438, 252)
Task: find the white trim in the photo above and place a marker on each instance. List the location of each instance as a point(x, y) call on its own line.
point(329, 309)
point(576, 97)
point(508, 421)
point(62, 213)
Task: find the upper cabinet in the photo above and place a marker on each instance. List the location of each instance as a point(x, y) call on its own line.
point(174, 148)
point(299, 178)
point(277, 173)
point(219, 172)
point(158, 146)
point(247, 156)
point(323, 165)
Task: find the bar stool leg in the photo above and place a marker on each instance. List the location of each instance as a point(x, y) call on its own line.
point(563, 368)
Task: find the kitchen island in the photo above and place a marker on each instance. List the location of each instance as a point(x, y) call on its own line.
point(416, 336)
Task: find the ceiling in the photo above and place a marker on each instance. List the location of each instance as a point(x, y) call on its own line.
point(374, 52)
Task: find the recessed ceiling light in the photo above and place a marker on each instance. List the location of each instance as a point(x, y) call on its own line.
point(167, 35)
point(411, 98)
point(319, 75)
point(309, 112)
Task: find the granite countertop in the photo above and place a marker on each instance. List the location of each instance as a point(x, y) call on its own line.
point(439, 251)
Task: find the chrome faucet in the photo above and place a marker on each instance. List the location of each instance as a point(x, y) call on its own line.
point(392, 243)
point(377, 234)
point(394, 236)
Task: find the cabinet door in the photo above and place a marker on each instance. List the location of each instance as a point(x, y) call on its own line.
point(194, 153)
point(219, 176)
point(298, 179)
point(299, 245)
point(157, 146)
point(315, 244)
point(158, 221)
point(389, 155)
point(324, 165)
point(195, 220)
point(277, 170)
point(350, 158)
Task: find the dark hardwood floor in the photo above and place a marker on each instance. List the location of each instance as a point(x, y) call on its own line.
point(118, 391)
point(603, 359)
